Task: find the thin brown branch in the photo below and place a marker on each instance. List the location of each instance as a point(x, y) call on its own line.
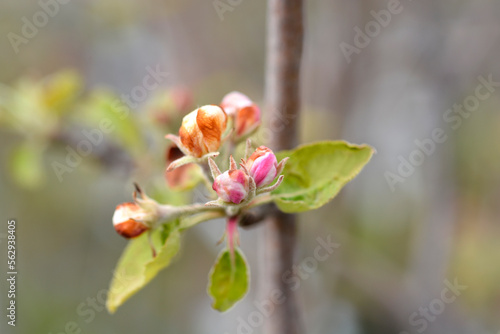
point(284, 51)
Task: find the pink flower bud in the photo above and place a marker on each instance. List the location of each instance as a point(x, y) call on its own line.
point(262, 166)
point(201, 130)
point(232, 186)
point(130, 220)
point(245, 112)
point(234, 101)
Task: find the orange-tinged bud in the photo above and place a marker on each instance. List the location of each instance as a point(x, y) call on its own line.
point(201, 130)
point(130, 220)
point(247, 120)
point(245, 112)
point(234, 101)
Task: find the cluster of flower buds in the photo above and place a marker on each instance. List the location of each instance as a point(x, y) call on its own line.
point(199, 139)
point(239, 186)
point(202, 131)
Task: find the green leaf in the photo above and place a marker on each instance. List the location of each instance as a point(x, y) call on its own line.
point(121, 124)
point(61, 89)
point(228, 283)
point(26, 165)
point(316, 172)
point(137, 267)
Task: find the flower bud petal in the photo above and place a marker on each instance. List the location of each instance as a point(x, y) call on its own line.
point(246, 113)
point(262, 166)
point(234, 101)
point(212, 122)
point(129, 220)
point(191, 136)
point(201, 130)
point(232, 186)
point(247, 120)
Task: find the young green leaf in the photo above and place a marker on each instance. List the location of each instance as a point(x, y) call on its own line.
point(228, 282)
point(316, 172)
point(26, 165)
point(137, 266)
point(103, 107)
point(60, 90)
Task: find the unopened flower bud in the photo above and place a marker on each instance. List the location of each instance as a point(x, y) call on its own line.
point(201, 130)
point(262, 166)
point(245, 112)
point(130, 220)
point(234, 101)
point(232, 186)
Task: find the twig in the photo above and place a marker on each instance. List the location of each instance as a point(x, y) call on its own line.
point(284, 51)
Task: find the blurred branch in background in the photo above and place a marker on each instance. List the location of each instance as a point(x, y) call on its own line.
point(56, 114)
point(282, 96)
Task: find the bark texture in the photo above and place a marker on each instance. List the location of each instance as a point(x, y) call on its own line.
point(282, 104)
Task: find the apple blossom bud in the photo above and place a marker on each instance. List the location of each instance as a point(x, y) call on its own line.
point(262, 166)
point(245, 112)
point(247, 120)
point(130, 220)
point(201, 130)
point(232, 186)
point(234, 101)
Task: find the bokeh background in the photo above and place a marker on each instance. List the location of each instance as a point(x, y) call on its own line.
point(399, 244)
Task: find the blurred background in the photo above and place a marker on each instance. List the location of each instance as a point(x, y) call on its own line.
point(409, 226)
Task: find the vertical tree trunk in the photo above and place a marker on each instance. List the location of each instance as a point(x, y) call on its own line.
point(282, 104)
